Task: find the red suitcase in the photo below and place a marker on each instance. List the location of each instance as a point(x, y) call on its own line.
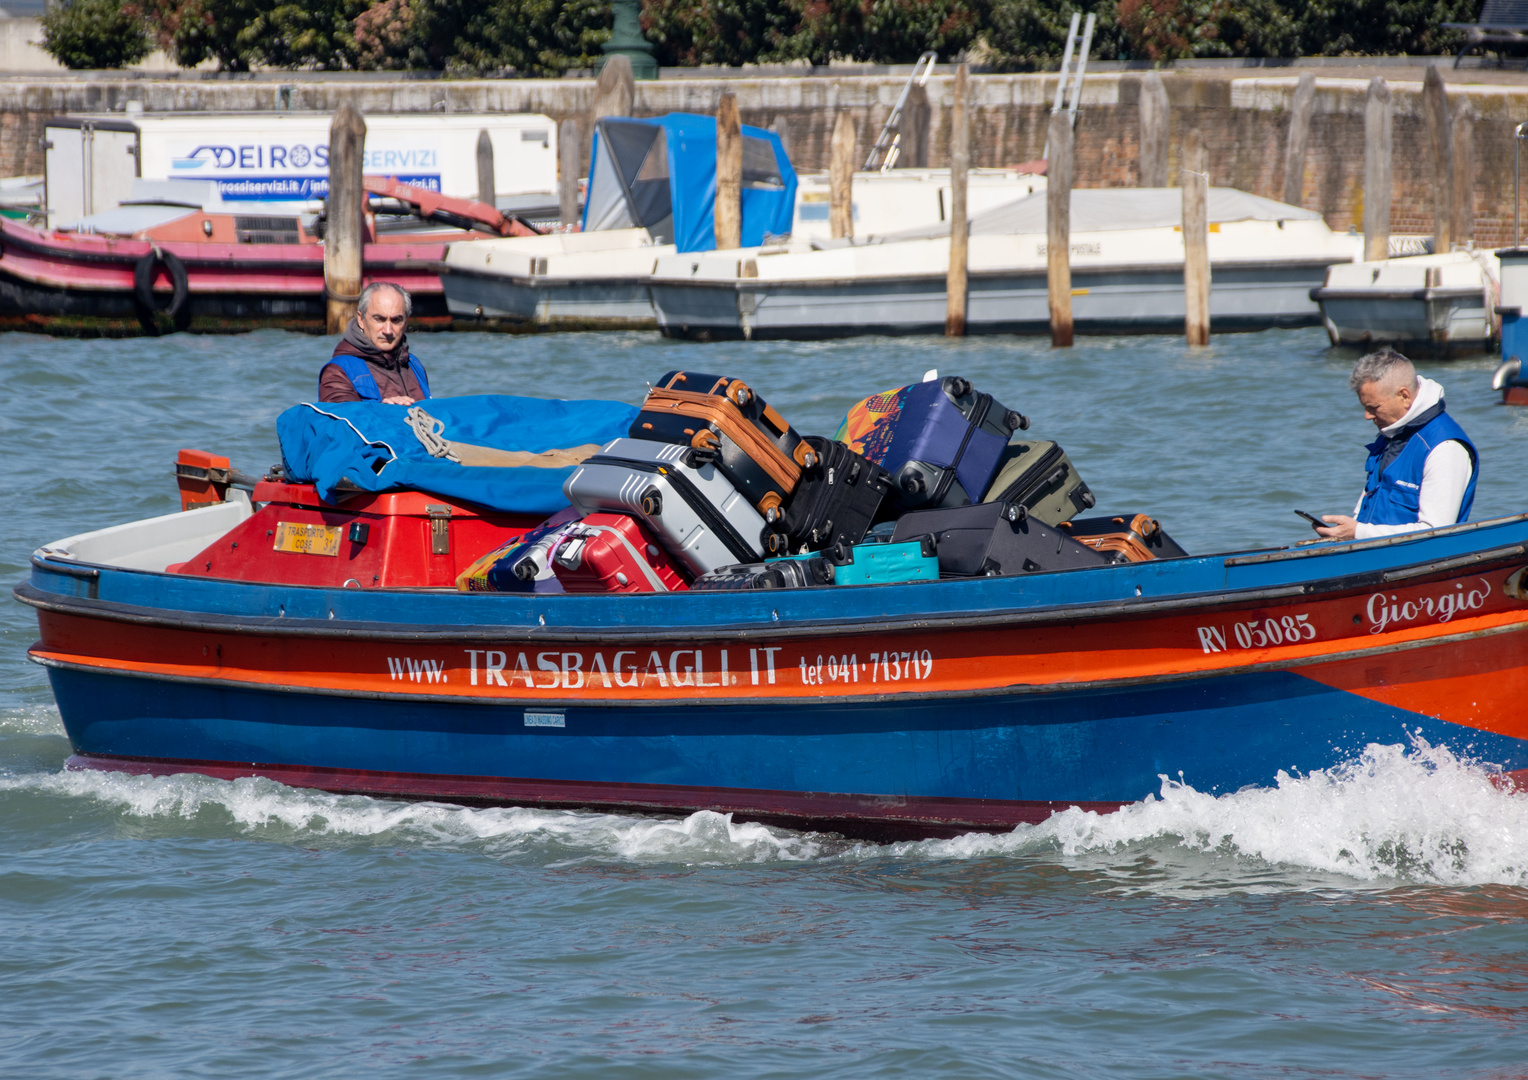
point(614, 553)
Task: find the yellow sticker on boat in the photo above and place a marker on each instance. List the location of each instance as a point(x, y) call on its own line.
point(307, 539)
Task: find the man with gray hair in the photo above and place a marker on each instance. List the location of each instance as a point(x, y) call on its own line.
point(372, 361)
point(1422, 469)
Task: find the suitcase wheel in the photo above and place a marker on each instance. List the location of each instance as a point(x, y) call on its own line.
point(805, 456)
point(1016, 421)
point(652, 503)
point(913, 483)
point(776, 544)
point(739, 394)
point(769, 506)
point(1016, 513)
point(526, 569)
point(706, 439)
point(695, 457)
point(957, 387)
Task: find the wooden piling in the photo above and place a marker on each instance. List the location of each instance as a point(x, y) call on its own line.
point(912, 151)
point(729, 174)
point(569, 166)
point(1154, 131)
point(960, 163)
point(841, 177)
point(1196, 240)
point(345, 219)
point(1299, 135)
point(1464, 175)
point(1440, 134)
point(1377, 147)
point(1058, 229)
point(616, 89)
point(486, 189)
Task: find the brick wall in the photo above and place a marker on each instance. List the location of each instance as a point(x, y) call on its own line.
point(1245, 122)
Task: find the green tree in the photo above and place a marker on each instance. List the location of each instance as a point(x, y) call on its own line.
point(94, 34)
point(1024, 34)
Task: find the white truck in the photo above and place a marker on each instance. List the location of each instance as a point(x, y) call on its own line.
point(279, 162)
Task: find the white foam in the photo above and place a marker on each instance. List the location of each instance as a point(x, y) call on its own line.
point(254, 806)
point(1417, 813)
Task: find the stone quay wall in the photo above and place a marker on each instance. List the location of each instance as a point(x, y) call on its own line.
point(1245, 122)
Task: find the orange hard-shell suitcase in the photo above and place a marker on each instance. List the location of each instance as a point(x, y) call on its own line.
point(753, 445)
point(1134, 538)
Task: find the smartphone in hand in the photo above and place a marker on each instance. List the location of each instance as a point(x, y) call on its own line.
point(1315, 522)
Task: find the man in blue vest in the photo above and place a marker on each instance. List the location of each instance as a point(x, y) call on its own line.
point(1422, 469)
point(372, 361)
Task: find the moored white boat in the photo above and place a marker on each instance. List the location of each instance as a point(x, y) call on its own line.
point(1127, 273)
point(564, 281)
point(1426, 304)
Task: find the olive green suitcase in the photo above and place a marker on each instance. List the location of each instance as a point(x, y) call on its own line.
point(1040, 477)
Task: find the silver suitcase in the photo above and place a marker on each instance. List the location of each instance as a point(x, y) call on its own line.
point(696, 513)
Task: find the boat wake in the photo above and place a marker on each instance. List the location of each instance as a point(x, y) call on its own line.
point(1394, 814)
point(1416, 813)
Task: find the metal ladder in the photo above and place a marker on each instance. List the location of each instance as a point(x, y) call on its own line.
point(1075, 74)
point(889, 146)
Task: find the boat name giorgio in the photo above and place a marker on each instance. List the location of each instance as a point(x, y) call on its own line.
point(667, 668)
point(1257, 633)
point(1442, 606)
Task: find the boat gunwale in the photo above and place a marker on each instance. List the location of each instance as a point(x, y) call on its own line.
point(1127, 607)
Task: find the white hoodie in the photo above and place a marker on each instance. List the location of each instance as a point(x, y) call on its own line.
point(1445, 474)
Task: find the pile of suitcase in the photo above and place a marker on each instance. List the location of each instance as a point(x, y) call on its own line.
point(713, 490)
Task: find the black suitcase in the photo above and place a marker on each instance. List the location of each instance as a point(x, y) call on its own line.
point(836, 502)
point(780, 574)
point(994, 539)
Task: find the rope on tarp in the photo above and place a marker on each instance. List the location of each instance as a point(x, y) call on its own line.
point(430, 434)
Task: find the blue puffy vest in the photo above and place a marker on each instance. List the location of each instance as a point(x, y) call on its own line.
point(365, 382)
point(1392, 494)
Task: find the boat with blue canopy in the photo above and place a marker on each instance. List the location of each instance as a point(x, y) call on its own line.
point(651, 193)
point(308, 630)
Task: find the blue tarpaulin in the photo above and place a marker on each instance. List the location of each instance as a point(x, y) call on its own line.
point(372, 446)
point(660, 174)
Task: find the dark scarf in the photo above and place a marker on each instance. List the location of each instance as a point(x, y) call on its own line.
point(354, 342)
point(1394, 444)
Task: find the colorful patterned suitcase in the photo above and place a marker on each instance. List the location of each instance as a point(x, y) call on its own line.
point(941, 440)
point(756, 449)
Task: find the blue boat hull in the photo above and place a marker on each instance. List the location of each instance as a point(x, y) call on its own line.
point(983, 763)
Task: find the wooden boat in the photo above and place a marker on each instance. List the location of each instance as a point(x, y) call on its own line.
point(220, 641)
point(169, 262)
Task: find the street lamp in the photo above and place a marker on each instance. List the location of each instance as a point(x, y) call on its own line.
point(626, 39)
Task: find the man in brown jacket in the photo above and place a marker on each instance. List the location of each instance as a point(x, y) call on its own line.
point(372, 361)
